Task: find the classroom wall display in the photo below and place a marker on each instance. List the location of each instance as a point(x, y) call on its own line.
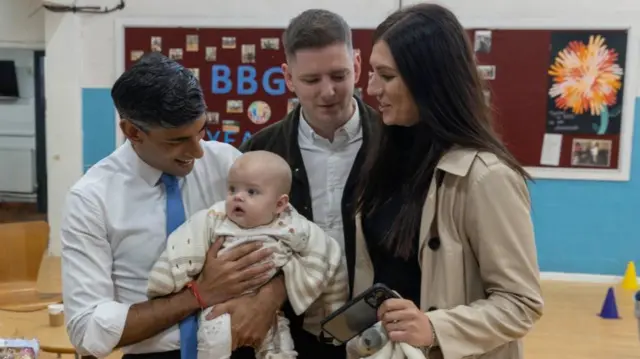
point(556, 95)
point(585, 82)
point(239, 71)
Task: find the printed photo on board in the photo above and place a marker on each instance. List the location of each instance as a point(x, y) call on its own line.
point(591, 153)
point(136, 55)
point(156, 43)
point(210, 53)
point(192, 43)
point(259, 112)
point(213, 118)
point(487, 72)
point(248, 54)
point(234, 106)
point(231, 126)
point(482, 41)
point(196, 72)
point(228, 42)
point(270, 43)
point(175, 54)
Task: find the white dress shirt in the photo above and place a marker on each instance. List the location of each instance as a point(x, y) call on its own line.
point(328, 165)
point(113, 230)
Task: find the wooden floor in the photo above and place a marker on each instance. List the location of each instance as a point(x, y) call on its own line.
point(569, 329)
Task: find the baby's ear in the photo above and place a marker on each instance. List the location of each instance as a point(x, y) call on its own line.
point(282, 204)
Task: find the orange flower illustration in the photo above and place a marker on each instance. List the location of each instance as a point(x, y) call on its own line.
point(586, 77)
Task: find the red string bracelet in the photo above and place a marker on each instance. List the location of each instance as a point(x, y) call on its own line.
point(194, 289)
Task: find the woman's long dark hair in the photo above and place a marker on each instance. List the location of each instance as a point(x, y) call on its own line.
point(436, 62)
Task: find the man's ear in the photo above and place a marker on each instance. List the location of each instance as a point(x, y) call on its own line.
point(282, 204)
point(288, 78)
point(357, 64)
point(131, 132)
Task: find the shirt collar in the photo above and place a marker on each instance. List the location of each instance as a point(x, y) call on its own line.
point(351, 128)
point(148, 173)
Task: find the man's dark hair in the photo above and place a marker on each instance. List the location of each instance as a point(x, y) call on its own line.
point(314, 29)
point(158, 92)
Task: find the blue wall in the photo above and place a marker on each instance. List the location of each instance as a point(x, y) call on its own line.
point(581, 226)
point(98, 125)
point(589, 226)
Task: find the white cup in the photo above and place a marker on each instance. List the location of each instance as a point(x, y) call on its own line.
point(56, 315)
point(56, 308)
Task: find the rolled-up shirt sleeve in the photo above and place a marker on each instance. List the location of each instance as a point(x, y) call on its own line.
point(94, 320)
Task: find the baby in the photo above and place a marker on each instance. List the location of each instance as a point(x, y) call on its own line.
point(257, 209)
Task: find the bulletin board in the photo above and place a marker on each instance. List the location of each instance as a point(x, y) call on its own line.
point(239, 71)
point(558, 96)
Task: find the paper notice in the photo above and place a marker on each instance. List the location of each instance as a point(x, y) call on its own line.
point(551, 146)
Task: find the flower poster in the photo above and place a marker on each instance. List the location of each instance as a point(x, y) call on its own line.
point(586, 80)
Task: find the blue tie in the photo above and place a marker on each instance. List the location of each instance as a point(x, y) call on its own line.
point(175, 217)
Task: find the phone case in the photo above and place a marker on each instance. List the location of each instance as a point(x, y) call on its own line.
point(374, 296)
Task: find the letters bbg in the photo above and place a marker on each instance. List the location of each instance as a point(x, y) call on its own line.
point(246, 80)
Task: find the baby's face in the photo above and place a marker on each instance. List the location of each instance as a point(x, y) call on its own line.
point(252, 200)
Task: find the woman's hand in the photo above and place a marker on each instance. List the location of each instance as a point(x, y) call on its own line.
point(404, 322)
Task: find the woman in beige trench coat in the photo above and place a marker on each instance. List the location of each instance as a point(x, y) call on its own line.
point(443, 209)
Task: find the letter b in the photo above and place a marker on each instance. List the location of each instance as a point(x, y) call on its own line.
point(247, 76)
point(220, 81)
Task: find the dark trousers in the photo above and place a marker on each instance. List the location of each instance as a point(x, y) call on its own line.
point(175, 354)
point(240, 353)
point(307, 346)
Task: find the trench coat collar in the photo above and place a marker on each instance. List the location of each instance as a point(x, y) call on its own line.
point(456, 161)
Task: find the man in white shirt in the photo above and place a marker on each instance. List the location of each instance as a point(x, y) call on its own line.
point(116, 221)
point(324, 139)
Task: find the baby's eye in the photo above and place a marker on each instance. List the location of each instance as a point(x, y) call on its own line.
point(232, 189)
point(252, 192)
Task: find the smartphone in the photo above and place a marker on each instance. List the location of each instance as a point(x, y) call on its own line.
point(358, 314)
